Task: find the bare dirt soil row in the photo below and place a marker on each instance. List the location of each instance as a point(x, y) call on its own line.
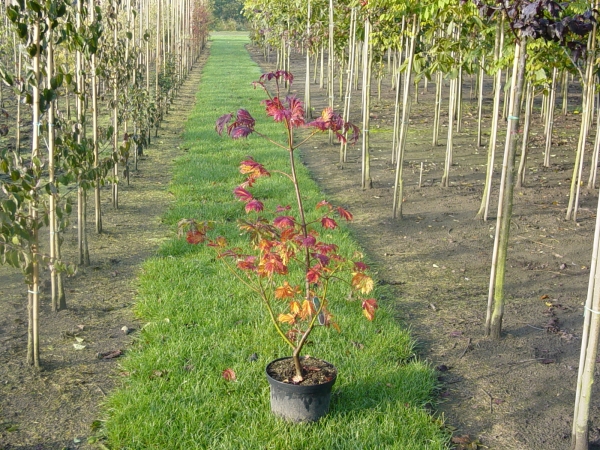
point(57, 407)
point(517, 393)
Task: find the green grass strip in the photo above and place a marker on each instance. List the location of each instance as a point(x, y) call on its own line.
point(200, 321)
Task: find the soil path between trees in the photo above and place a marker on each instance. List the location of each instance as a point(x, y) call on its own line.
point(57, 407)
point(515, 394)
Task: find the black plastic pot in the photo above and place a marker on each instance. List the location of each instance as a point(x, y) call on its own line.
point(299, 403)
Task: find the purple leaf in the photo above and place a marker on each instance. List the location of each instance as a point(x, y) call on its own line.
point(222, 122)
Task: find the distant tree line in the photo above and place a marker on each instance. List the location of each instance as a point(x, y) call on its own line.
point(228, 15)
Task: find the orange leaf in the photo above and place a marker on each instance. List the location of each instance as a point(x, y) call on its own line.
point(369, 306)
point(362, 282)
point(287, 318)
point(229, 375)
point(308, 309)
point(286, 291)
point(294, 307)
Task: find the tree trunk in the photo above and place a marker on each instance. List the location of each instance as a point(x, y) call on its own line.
point(33, 349)
point(367, 64)
point(524, 147)
point(550, 118)
point(588, 88)
point(480, 100)
point(398, 184)
point(496, 292)
point(307, 106)
point(348, 97)
point(487, 189)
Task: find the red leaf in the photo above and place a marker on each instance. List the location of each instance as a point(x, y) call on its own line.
point(276, 110)
point(283, 222)
point(360, 266)
point(195, 237)
point(324, 260)
point(242, 194)
point(248, 263)
point(229, 375)
point(285, 75)
point(329, 223)
point(324, 204)
point(240, 132)
point(319, 124)
point(313, 274)
point(344, 214)
point(369, 306)
point(273, 263)
point(325, 248)
point(282, 208)
point(245, 119)
point(297, 111)
point(254, 205)
point(309, 241)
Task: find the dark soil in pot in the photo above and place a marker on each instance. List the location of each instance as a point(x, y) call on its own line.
point(315, 371)
point(304, 402)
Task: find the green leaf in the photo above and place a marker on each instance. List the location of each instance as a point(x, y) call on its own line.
point(56, 81)
point(34, 6)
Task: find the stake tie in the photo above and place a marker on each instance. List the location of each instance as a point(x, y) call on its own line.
point(591, 310)
point(513, 117)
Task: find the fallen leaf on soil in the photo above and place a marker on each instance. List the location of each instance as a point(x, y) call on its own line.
point(544, 297)
point(442, 368)
point(110, 354)
point(78, 346)
point(158, 373)
point(566, 336)
point(465, 443)
point(462, 440)
point(455, 333)
point(358, 345)
point(229, 375)
point(498, 401)
point(547, 361)
point(552, 326)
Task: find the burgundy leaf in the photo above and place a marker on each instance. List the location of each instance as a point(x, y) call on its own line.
point(254, 205)
point(222, 122)
point(283, 222)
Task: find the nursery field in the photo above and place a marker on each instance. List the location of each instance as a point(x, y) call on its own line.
point(58, 407)
point(443, 386)
point(516, 393)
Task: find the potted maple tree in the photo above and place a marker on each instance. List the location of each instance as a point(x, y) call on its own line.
point(286, 264)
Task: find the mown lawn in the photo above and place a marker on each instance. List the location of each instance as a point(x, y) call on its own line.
point(200, 321)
